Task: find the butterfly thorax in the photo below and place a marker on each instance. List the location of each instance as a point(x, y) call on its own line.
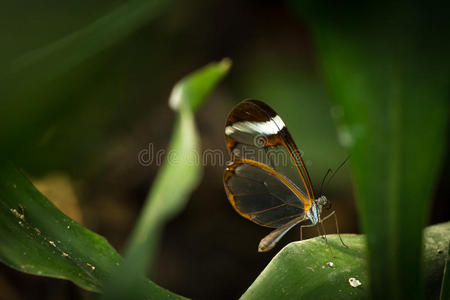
point(315, 210)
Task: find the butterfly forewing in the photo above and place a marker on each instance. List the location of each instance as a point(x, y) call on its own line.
point(268, 175)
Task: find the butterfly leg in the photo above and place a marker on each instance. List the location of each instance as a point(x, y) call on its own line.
point(325, 237)
point(319, 233)
point(337, 226)
point(301, 230)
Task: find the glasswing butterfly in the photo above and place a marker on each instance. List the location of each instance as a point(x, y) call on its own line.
point(267, 181)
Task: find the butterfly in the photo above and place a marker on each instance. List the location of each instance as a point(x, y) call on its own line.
point(266, 180)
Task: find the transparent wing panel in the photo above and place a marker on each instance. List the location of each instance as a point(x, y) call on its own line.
point(260, 196)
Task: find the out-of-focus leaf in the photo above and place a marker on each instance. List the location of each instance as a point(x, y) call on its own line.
point(178, 176)
point(39, 239)
point(302, 270)
point(43, 85)
point(66, 53)
point(387, 67)
point(192, 90)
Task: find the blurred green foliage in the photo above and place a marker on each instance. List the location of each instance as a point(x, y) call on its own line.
point(43, 241)
point(388, 71)
point(76, 79)
point(177, 178)
point(60, 83)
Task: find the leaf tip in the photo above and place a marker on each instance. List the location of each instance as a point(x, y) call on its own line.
point(180, 92)
point(225, 64)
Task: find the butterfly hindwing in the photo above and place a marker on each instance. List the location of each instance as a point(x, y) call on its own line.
point(260, 196)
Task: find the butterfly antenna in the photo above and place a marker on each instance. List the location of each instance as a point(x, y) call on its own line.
point(338, 168)
point(323, 180)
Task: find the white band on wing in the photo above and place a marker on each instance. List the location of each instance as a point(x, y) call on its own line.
point(273, 126)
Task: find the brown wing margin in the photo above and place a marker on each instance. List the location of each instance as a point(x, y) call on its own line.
point(293, 150)
point(229, 171)
point(289, 144)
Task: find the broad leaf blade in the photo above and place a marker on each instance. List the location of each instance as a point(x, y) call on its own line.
point(301, 270)
point(39, 239)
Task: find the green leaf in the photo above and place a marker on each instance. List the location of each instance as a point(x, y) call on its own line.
point(179, 175)
point(301, 270)
point(45, 83)
point(388, 72)
point(68, 52)
point(192, 90)
point(39, 239)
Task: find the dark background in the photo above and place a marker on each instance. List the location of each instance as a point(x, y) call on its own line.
point(85, 158)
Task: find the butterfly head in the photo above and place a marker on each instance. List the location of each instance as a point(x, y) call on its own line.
point(322, 201)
